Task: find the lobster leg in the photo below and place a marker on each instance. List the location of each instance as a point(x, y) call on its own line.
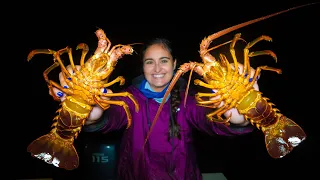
point(120, 103)
point(225, 62)
point(246, 66)
point(52, 84)
point(257, 53)
point(58, 86)
point(232, 51)
point(40, 51)
point(201, 101)
point(103, 105)
point(212, 95)
point(218, 113)
point(258, 70)
point(265, 52)
point(246, 52)
point(118, 79)
point(207, 103)
point(65, 72)
point(49, 82)
point(203, 84)
point(234, 75)
point(85, 50)
point(123, 94)
point(48, 70)
point(57, 57)
point(69, 50)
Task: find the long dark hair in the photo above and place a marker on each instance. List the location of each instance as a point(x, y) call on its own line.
point(175, 99)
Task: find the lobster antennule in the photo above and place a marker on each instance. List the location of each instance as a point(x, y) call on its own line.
point(120, 46)
point(134, 44)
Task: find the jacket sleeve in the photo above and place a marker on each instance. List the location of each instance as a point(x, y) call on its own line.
point(114, 118)
point(196, 116)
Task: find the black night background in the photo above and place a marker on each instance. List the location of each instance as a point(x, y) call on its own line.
point(295, 92)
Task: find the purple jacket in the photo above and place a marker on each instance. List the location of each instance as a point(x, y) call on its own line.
point(161, 159)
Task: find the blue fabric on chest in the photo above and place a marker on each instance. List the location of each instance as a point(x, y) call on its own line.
point(149, 93)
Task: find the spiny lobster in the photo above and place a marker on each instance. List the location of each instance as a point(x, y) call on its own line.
point(233, 88)
point(85, 89)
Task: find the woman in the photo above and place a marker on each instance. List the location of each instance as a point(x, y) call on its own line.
point(169, 152)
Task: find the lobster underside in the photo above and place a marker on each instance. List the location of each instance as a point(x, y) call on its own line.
point(85, 87)
point(234, 86)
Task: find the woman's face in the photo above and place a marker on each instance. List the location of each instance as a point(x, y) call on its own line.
point(158, 66)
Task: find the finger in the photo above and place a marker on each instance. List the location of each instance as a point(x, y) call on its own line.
point(256, 86)
point(57, 93)
point(105, 91)
point(71, 70)
point(78, 67)
point(217, 104)
point(62, 80)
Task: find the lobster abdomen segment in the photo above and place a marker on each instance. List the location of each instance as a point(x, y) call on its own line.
point(74, 111)
point(257, 109)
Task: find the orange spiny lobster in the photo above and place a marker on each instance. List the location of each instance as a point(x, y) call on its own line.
point(84, 91)
point(233, 89)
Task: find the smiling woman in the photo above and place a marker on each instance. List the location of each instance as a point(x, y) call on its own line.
point(158, 65)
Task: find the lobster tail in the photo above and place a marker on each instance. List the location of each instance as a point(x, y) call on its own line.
point(283, 137)
point(55, 150)
point(57, 147)
point(281, 133)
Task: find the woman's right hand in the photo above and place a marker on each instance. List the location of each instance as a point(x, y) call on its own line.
point(96, 112)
